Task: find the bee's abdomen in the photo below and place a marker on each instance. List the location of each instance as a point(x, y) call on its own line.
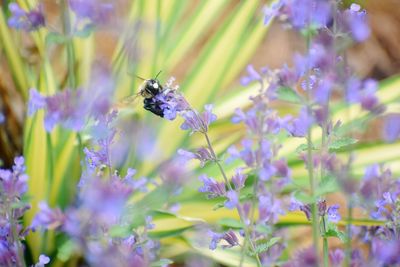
point(153, 106)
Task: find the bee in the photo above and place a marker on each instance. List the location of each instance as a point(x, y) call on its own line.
point(149, 89)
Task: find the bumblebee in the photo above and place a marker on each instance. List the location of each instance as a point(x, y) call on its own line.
point(149, 89)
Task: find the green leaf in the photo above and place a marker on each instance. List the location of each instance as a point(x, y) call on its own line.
point(230, 223)
point(66, 250)
point(301, 148)
point(333, 231)
point(260, 248)
point(342, 142)
point(55, 38)
point(303, 197)
point(120, 231)
point(288, 94)
point(161, 262)
point(327, 185)
point(85, 32)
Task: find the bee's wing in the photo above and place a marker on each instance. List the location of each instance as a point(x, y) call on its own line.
point(130, 100)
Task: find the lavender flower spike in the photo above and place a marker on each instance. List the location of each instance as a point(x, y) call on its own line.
point(215, 189)
point(27, 21)
point(198, 123)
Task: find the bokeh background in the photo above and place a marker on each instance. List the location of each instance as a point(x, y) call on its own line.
point(205, 45)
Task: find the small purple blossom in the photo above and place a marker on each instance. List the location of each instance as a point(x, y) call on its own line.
point(96, 11)
point(2, 118)
point(333, 214)
point(171, 102)
point(306, 258)
point(336, 257)
point(43, 260)
point(229, 236)
point(202, 154)
point(73, 108)
point(386, 251)
point(272, 11)
point(252, 76)
point(238, 179)
point(300, 125)
point(27, 21)
point(301, 14)
point(233, 199)
point(13, 186)
point(357, 23)
point(368, 99)
point(391, 128)
point(196, 122)
point(47, 218)
point(215, 189)
point(269, 209)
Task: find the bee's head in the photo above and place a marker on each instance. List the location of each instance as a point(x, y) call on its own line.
point(150, 88)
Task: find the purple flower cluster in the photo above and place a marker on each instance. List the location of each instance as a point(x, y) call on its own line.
point(102, 224)
point(23, 20)
point(13, 186)
point(331, 212)
point(229, 237)
point(95, 11)
point(73, 108)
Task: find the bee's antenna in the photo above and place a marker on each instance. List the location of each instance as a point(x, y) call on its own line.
point(143, 79)
point(158, 74)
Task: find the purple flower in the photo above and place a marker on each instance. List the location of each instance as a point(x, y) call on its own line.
point(253, 75)
point(247, 154)
point(94, 10)
point(171, 101)
point(303, 14)
point(229, 237)
point(233, 200)
point(27, 21)
point(175, 173)
point(14, 183)
point(299, 126)
point(36, 101)
point(47, 218)
point(198, 123)
point(333, 214)
point(238, 179)
point(2, 118)
point(336, 257)
point(272, 11)
point(376, 182)
point(215, 189)
point(72, 108)
point(202, 154)
point(357, 23)
point(266, 171)
point(269, 209)
point(43, 260)
point(306, 258)
point(363, 93)
point(391, 129)
point(386, 251)
point(282, 168)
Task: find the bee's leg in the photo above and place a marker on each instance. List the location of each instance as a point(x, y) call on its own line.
point(153, 107)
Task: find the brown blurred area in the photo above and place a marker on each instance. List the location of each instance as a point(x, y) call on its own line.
point(378, 58)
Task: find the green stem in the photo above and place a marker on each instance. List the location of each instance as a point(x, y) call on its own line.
point(310, 166)
point(348, 242)
point(325, 244)
point(71, 64)
point(241, 215)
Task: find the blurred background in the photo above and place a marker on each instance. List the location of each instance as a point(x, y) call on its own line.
point(205, 45)
point(148, 35)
